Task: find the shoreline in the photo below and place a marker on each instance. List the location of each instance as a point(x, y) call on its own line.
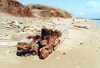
point(81, 48)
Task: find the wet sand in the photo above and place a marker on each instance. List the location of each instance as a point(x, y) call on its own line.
point(81, 49)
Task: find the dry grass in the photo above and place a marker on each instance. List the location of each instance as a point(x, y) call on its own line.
point(47, 11)
point(15, 8)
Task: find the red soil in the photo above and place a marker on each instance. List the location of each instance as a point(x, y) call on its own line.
point(15, 8)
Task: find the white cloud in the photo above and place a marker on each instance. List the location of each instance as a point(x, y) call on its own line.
point(90, 9)
point(92, 3)
point(94, 6)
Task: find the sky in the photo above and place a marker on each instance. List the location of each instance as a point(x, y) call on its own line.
point(78, 8)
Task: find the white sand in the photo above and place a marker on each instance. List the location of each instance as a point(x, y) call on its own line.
point(81, 49)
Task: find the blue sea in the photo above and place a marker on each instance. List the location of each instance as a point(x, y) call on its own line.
point(98, 21)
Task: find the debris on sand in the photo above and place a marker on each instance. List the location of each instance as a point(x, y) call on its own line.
point(27, 49)
point(85, 27)
point(64, 53)
point(42, 45)
point(81, 43)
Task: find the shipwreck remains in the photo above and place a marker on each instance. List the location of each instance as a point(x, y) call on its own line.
point(42, 45)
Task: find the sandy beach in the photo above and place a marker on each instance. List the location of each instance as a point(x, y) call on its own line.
point(56, 34)
point(80, 49)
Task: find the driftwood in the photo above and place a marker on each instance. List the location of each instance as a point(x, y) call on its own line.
point(42, 45)
point(85, 27)
point(26, 49)
point(47, 42)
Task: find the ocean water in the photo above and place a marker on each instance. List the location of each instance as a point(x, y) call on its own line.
point(98, 21)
